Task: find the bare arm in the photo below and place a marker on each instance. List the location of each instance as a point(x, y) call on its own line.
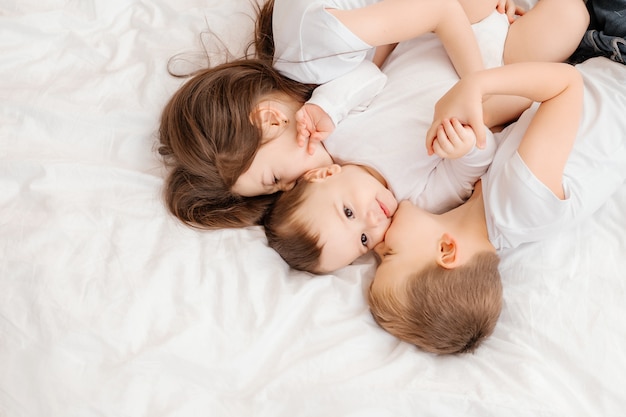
point(547, 143)
point(549, 139)
point(392, 21)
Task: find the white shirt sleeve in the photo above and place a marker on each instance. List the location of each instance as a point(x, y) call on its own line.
point(352, 91)
point(452, 181)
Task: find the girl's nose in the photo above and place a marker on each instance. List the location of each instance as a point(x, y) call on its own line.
point(286, 186)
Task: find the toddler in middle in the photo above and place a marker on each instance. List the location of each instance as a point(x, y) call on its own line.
point(320, 226)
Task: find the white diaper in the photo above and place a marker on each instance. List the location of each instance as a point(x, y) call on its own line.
point(491, 34)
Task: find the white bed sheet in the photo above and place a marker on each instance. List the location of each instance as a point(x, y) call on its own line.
point(111, 307)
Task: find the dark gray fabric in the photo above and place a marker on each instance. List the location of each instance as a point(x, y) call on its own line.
point(606, 35)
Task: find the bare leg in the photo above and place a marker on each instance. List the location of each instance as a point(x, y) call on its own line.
point(477, 10)
point(550, 31)
point(500, 110)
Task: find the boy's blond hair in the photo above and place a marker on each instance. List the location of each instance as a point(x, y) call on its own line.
point(443, 310)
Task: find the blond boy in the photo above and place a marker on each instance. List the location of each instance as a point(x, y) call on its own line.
point(438, 285)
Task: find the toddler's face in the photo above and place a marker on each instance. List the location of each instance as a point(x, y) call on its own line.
point(351, 210)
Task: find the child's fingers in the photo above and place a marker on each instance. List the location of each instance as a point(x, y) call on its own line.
point(510, 14)
point(431, 136)
point(454, 139)
point(446, 138)
point(439, 146)
point(437, 150)
point(451, 131)
point(500, 7)
point(443, 142)
point(481, 135)
point(304, 132)
point(301, 139)
point(467, 137)
point(314, 140)
point(459, 129)
point(303, 127)
point(478, 126)
point(442, 146)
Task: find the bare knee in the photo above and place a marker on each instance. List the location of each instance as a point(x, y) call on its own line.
point(550, 31)
point(577, 13)
point(576, 16)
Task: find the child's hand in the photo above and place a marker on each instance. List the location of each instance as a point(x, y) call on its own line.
point(313, 125)
point(453, 139)
point(509, 8)
point(464, 103)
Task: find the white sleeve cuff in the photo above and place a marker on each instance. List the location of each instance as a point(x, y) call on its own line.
point(352, 91)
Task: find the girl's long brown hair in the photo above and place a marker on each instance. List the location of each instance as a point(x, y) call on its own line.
point(264, 35)
point(207, 138)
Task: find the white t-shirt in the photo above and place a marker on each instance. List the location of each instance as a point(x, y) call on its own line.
point(312, 46)
point(390, 134)
point(519, 208)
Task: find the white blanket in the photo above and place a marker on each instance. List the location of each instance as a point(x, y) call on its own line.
point(111, 307)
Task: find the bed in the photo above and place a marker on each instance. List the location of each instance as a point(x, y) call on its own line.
point(109, 306)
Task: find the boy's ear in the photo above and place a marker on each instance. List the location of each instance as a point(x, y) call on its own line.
point(447, 256)
point(320, 174)
point(270, 119)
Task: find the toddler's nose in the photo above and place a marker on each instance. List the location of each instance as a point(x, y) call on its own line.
point(373, 218)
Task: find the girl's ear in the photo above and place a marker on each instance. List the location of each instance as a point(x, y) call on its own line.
point(447, 256)
point(320, 174)
point(270, 119)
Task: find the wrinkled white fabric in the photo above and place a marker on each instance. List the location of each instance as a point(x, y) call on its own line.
point(111, 307)
point(519, 208)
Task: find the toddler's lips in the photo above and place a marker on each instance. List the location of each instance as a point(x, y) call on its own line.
point(384, 209)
